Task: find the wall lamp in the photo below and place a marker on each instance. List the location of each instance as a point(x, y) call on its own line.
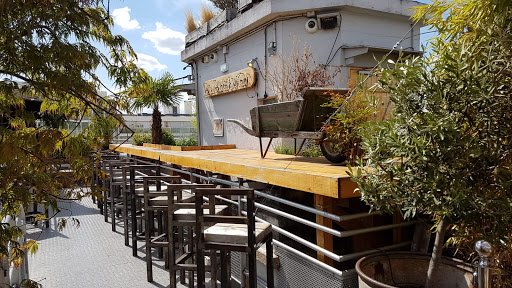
point(251, 64)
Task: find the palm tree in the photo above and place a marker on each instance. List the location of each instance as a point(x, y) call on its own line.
point(153, 93)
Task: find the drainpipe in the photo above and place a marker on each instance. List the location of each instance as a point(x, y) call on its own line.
point(195, 74)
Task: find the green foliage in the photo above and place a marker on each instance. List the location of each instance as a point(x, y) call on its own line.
point(282, 148)
point(168, 138)
point(49, 51)
point(225, 4)
point(448, 151)
point(310, 149)
point(353, 113)
point(141, 138)
point(151, 93)
point(192, 141)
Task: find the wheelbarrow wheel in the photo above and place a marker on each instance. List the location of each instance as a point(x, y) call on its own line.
point(331, 153)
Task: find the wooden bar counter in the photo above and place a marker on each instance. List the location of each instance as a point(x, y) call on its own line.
point(313, 175)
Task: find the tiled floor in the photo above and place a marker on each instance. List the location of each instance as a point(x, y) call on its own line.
point(88, 256)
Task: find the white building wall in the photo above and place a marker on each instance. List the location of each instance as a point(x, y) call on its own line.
point(358, 28)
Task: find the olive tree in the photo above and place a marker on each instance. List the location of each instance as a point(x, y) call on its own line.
point(447, 152)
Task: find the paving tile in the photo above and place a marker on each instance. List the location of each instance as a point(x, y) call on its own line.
point(89, 256)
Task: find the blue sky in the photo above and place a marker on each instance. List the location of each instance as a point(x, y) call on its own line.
point(156, 31)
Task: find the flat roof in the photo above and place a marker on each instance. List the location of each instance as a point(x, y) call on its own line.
point(225, 27)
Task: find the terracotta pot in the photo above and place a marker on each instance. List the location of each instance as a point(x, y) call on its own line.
point(408, 269)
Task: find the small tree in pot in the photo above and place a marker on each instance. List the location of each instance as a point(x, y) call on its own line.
point(447, 153)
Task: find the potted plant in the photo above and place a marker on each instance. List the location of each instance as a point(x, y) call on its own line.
point(447, 151)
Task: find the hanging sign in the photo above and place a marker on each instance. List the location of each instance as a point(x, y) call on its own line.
point(235, 81)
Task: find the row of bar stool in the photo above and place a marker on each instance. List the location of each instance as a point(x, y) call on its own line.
point(186, 222)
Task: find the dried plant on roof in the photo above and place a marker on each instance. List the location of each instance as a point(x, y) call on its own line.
point(207, 13)
point(190, 23)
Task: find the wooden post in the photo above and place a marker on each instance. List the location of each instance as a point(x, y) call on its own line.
point(324, 239)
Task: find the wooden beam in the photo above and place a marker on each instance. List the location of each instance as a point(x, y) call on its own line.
point(324, 239)
point(347, 188)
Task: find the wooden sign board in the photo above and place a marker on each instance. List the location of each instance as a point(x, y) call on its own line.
point(235, 81)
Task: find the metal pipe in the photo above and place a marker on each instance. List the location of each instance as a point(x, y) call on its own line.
point(358, 215)
point(284, 201)
point(227, 200)
point(298, 219)
point(300, 240)
point(374, 229)
point(484, 249)
point(299, 206)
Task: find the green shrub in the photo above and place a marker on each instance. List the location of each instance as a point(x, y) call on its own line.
point(168, 138)
point(283, 149)
point(192, 141)
point(310, 149)
point(141, 138)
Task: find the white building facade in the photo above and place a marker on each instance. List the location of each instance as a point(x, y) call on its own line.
point(365, 30)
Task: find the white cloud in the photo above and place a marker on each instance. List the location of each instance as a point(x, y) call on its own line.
point(149, 63)
point(166, 40)
point(122, 18)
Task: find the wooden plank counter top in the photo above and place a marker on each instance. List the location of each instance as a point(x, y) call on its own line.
point(314, 175)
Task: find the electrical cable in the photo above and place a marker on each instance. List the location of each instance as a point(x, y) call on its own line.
point(333, 44)
point(259, 70)
point(367, 77)
point(373, 69)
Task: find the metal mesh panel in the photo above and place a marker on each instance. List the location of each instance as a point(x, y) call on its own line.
point(297, 272)
point(236, 262)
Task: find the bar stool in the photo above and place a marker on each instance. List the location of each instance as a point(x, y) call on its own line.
point(107, 175)
point(182, 215)
point(134, 194)
point(126, 205)
point(100, 174)
point(113, 195)
point(155, 201)
point(231, 233)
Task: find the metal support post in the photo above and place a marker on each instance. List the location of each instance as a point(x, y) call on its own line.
point(484, 249)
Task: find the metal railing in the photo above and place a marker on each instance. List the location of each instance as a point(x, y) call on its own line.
point(302, 220)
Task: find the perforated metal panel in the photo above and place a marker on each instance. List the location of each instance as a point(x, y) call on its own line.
point(236, 261)
point(297, 272)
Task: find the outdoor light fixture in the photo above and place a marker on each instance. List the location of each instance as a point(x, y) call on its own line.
point(252, 62)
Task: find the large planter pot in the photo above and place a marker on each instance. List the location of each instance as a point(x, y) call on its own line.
point(407, 269)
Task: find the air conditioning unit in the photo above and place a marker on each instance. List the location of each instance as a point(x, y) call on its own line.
point(328, 21)
point(324, 21)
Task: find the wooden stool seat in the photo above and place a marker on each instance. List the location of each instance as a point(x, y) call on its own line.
point(219, 209)
point(152, 188)
point(163, 201)
point(235, 233)
point(230, 233)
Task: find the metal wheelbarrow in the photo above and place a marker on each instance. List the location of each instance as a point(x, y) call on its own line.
point(298, 119)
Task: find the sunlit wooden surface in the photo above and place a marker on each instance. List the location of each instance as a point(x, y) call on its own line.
point(314, 175)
